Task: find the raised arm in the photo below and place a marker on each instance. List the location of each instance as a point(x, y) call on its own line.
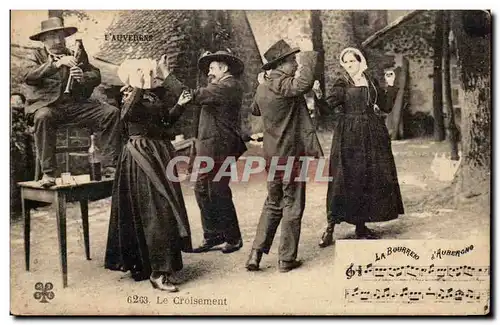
point(175, 112)
point(335, 99)
point(140, 104)
point(174, 85)
point(37, 70)
point(295, 86)
point(386, 97)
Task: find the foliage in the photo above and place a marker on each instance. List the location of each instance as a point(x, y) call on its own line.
point(221, 35)
point(19, 127)
point(19, 132)
point(81, 15)
point(21, 156)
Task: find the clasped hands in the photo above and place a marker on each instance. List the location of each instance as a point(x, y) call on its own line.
point(75, 71)
point(164, 67)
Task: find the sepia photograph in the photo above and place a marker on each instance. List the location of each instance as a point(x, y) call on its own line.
point(250, 162)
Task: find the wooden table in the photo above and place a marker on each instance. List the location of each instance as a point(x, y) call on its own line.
point(83, 191)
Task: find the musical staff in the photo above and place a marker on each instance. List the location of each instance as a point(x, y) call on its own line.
point(422, 273)
point(407, 295)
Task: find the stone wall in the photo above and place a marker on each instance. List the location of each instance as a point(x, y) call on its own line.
point(414, 40)
point(421, 84)
point(243, 43)
point(367, 22)
point(415, 43)
point(293, 26)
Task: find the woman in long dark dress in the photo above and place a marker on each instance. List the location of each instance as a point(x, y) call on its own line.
point(149, 227)
point(365, 186)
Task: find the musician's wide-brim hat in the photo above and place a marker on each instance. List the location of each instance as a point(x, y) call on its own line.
point(53, 24)
point(235, 64)
point(277, 53)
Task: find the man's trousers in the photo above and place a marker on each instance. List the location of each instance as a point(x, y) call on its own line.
point(101, 117)
point(218, 214)
point(285, 203)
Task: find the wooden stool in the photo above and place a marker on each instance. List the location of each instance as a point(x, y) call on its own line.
point(68, 149)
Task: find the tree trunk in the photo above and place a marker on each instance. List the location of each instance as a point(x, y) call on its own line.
point(447, 99)
point(244, 45)
point(317, 40)
point(437, 99)
point(474, 60)
point(56, 13)
point(338, 33)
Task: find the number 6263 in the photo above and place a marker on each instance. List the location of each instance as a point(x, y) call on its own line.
point(135, 299)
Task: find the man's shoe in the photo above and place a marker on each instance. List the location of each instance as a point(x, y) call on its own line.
point(254, 260)
point(285, 266)
point(208, 244)
point(229, 248)
point(327, 237)
point(47, 181)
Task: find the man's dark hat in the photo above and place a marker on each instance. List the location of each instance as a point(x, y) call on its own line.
point(52, 24)
point(276, 53)
point(235, 65)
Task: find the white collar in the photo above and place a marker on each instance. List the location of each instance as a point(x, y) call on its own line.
point(225, 77)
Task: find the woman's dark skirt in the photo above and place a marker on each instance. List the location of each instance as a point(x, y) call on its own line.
point(365, 185)
point(148, 227)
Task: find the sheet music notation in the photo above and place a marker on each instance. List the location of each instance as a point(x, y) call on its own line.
point(407, 295)
point(422, 273)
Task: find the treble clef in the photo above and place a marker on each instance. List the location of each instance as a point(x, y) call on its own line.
point(350, 272)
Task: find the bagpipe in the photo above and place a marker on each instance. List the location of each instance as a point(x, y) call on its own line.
point(81, 58)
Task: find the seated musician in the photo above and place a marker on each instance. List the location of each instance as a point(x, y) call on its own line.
point(48, 106)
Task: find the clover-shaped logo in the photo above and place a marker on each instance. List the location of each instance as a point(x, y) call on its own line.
point(44, 292)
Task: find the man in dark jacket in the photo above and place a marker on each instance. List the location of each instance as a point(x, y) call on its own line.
point(288, 134)
point(219, 138)
point(48, 106)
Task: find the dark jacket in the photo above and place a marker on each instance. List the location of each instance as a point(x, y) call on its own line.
point(288, 129)
point(151, 113)
point(219, 129)
point(44, 83)
point(336, 100)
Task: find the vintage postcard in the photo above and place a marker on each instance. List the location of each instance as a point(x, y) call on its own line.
point(250, 162)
